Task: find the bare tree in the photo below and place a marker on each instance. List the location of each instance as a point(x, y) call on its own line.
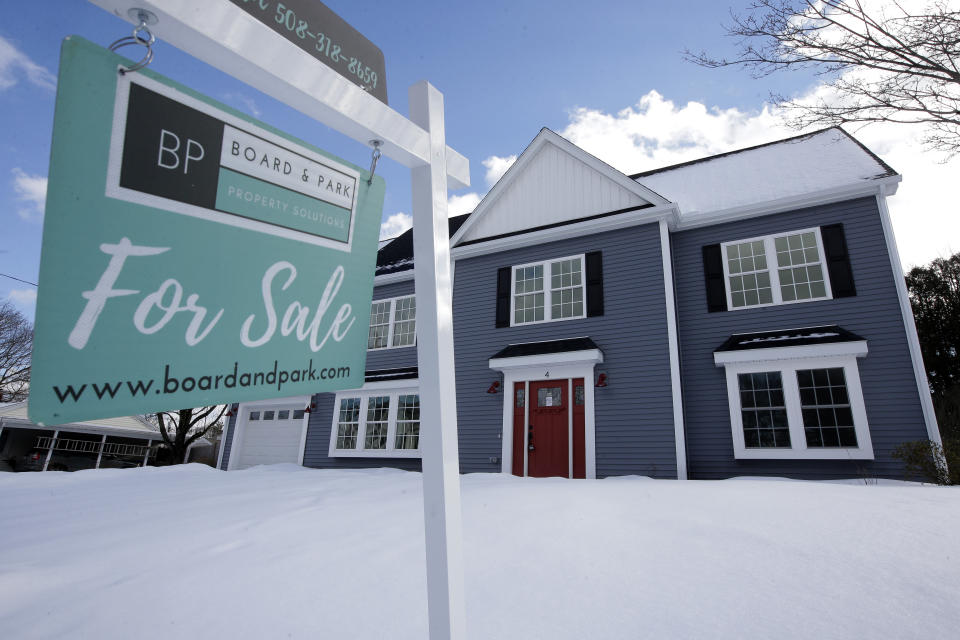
point(16, 345)
point(882, 64)
point(180, 429)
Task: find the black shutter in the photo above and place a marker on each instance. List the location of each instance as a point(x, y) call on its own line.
point(503, 297)
point(713, 272)
point(594, 284)
point(838, 261)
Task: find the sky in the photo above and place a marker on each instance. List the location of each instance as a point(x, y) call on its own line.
point(610, 77)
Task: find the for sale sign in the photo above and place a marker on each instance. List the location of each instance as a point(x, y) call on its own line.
point(192, 255)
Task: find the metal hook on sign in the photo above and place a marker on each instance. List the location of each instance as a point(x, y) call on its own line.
point(141, 35)
point(373, 160)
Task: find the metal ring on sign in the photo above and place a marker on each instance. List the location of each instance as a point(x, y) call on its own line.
point(142, 36)
point(375, 157)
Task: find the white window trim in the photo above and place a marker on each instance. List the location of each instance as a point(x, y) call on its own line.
point(394, 389)
point(843, 355)
point(392, 323)
point(547, 296)
point(242, 417)
point(770, 252)
point(555, 366)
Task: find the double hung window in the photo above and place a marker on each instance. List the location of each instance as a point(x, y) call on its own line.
point(775, 269)
point(379, 422)
point(392, 323)
point(549, 290)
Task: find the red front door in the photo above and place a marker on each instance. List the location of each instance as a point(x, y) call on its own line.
point(549, 429)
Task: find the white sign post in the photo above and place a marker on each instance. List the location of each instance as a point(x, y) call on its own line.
point(226, 37)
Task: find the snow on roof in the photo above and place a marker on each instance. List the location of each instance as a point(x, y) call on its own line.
point(808, 163)
point(18, 412)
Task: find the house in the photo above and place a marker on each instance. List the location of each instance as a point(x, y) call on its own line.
point(743, 314)
point(126, 441)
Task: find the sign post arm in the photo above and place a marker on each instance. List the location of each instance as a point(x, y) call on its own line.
point(438, 410)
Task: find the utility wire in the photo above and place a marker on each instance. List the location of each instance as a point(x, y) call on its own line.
point(18, 279)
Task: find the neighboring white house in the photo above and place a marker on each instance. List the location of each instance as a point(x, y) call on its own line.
point(111, 442)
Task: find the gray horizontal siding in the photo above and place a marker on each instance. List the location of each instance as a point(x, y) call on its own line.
point(319, 427)
point(634, 414)
point(395, 357)
point(890, 390)
point(319, 430)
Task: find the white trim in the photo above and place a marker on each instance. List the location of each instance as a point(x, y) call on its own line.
point(391, 322)
point(391, 388)
point(546, 136)
point(799, 450)
point(855, 348)
point(566, 231)
point(243, 411)
point(392, 278)
point(584, 356)
point(673, 342)
point(553, 366)
point(773, 269)
point(547, 291)
point(910, 326)
point(223, 439)
point(825, 196)
point(53, 445)
point(103, 441)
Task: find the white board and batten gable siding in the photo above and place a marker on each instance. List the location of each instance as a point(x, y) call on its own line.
point(552, 182)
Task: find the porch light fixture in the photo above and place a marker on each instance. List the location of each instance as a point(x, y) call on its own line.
point(601, 380)
point(310, 407)
point(494, 387)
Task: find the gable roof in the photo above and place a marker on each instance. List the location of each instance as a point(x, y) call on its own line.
point(818, 161)
point(552, 182)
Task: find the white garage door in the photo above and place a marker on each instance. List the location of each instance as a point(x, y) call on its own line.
point(272, 435)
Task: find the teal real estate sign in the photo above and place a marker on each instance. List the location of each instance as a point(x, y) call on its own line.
point(191, 255)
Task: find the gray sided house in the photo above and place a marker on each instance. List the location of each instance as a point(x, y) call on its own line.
point(743, 314)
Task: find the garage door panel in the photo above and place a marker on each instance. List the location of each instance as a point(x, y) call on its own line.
point(270, 441)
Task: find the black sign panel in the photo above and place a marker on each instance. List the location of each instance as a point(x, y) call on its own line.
point(316, 29)
point(170, 150)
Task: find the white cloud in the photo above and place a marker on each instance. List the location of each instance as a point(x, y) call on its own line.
point(395, 225)
point(656, 132)
point(32, 191)
point(458, 205)
point(23, 297)
point(496, 167)
point(14, 62)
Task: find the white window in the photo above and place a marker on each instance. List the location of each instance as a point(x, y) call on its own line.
point(547, 291)
point(775, 269)
point(393, 323)
point(797, 402)
point(376, 421)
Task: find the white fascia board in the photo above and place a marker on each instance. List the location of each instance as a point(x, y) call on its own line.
point(390, 278)
point(118, 432)
point(566, 231)
point(584, 356)
point(400, 383)
point(226, 37)
point(909, 324)
point(856, 348)
point(881, 186)
point(546, 136)
point(278, 401)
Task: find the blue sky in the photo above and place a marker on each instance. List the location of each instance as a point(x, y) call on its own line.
point(610, 76)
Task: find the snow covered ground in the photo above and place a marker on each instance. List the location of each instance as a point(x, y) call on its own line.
point(278, 552)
